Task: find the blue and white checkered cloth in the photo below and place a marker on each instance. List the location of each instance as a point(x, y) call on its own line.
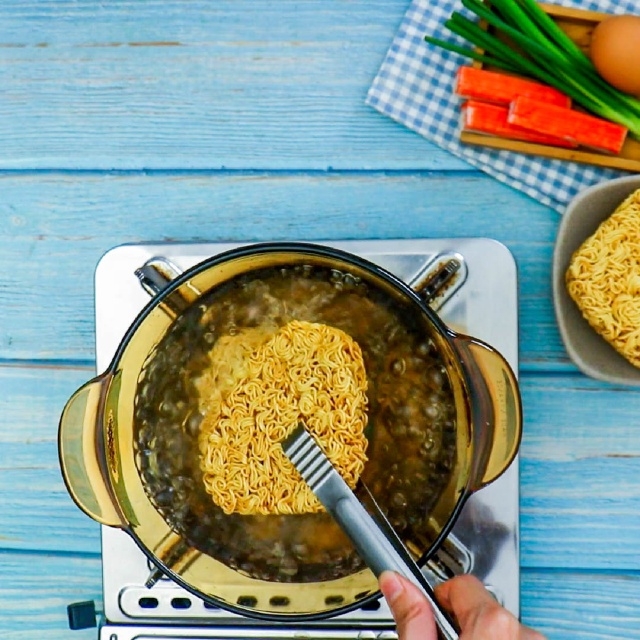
point(415, 87)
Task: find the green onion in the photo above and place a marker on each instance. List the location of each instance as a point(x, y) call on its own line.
point(542, 50)
point(471, 53)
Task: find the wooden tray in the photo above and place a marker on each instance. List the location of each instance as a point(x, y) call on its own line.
point(578, 25)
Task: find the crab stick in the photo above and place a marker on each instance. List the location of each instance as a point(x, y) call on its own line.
point(491, 119)
point(502, 88)
point(568, 124)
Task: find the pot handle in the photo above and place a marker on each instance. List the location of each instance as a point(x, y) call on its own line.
point(81, 451)
point(496, 408)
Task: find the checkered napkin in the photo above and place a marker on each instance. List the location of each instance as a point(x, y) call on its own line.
point(415, 87)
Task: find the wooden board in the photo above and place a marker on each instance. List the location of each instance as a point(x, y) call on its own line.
point(46, 216)
point(112, 134)
point(245, 85)
point(578, 25)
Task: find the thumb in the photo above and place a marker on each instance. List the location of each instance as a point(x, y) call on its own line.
point(410, 609)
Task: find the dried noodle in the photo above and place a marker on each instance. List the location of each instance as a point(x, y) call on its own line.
point(266, 383)
point(603, 279)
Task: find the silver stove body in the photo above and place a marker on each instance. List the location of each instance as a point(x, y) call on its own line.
point(485, 539)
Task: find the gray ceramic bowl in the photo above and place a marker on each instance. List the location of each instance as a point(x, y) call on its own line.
point(592, 354)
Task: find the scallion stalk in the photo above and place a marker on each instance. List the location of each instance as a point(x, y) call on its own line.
point(470, 53)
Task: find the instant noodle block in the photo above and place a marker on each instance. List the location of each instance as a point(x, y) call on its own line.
point(303, 371)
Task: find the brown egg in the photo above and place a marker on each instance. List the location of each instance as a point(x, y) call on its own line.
point(615, 52)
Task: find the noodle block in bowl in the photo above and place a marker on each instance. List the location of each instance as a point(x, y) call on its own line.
point(603, 279)
point(597, 281)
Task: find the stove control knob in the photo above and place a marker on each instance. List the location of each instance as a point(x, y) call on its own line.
point(367, 635)
point(387, 635)
point(82, 615)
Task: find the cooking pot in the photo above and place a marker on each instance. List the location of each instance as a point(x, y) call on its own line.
point(444, 420)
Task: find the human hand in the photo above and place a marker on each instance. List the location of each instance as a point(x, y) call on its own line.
point(478, 614)
point(411, 610)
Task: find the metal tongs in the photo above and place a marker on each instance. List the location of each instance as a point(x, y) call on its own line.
point(375, 540)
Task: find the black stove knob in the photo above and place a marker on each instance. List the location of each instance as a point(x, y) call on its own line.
point(82, 615)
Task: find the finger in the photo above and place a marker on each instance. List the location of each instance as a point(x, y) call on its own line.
point(410, 609)
point(531, 634)
point(464, 596)
point(479, 615)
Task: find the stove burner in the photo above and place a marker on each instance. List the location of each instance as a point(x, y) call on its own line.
point(473, 282)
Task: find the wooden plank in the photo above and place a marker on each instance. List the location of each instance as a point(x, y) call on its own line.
point(39, 513)
point(563, 605)
point(35, 590)
point(575, 606)
point(577, 505)
point(627, 160)
point(580, 455)
point(579, 482)
point(200, 85)
point(44, 218)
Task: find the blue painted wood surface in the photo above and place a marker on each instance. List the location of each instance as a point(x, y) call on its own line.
point(244, 120)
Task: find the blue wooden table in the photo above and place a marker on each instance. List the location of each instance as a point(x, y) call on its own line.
point(242, 120)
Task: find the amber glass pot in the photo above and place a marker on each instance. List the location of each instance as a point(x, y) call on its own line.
point(127, 453)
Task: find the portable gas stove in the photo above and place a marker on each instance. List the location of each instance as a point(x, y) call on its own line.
point(140, 603)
